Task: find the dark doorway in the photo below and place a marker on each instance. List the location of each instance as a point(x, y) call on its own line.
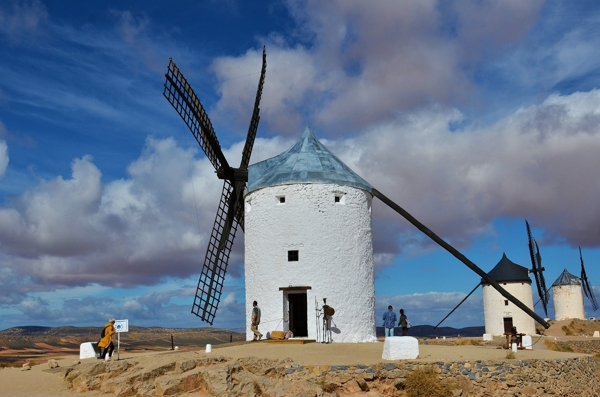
point(508, 324)
point(298, 314)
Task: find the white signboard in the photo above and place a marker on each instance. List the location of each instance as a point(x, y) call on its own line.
point(122, 325)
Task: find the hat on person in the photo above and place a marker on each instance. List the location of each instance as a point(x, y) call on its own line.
point(112, 320)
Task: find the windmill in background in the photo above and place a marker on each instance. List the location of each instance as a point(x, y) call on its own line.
point(567, 294)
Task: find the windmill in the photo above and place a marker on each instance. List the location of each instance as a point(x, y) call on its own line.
point(230, 213)
point(587, 289)
point(537, 269)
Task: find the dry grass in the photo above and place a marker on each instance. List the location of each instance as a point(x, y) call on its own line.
point(510, 355)
point(426, 383)
point(471, 342)
point(558, 348)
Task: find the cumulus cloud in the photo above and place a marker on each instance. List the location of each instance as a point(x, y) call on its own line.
point(359, 63)
point(527, 165)
point(76, 231)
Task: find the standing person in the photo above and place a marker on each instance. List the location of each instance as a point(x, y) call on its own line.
point(106, 340)
point(255, 321)
point(389, 321)
point(403, 322)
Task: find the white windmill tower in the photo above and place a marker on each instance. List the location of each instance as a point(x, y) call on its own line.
point(567, 297)
point(500, 314)
point(567, 294)
point(342, 226)
point(308, 238)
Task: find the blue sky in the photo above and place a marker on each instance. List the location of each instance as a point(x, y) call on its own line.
point(471, 115)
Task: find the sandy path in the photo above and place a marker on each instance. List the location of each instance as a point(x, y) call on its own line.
point(40, 382)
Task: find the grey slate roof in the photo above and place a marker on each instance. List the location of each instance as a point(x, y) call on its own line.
point(566, 278)
point(308, 161)
point(508, 271)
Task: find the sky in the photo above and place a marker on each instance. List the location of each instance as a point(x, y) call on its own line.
point(473, 115)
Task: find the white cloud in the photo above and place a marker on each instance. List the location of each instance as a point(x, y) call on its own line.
point(359, 64)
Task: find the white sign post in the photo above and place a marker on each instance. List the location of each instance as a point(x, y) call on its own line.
point(120, 326)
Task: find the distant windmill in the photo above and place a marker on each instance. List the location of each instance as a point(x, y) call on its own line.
point(342, 184)
point(537, 269)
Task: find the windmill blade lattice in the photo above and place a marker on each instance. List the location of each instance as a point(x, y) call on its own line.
point(459, 256)
point(537, 269)
point(210, 284)
point(230, 213)
point(181, 96)
point(587, 288)
point(250, 137)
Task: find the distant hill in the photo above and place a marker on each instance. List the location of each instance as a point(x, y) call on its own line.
point(428, 331)
point(138, 338)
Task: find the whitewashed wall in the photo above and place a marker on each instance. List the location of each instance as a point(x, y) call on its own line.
point(568, 302)
point(495, 309)
point(335, 247)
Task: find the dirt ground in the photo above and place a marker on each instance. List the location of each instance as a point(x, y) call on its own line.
point(41, 381)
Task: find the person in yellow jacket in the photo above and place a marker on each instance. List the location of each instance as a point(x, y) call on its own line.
point(106, 340)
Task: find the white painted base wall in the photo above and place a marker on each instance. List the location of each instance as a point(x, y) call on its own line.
point(334, 243)
point(496, 307)
point(400, 348)
point(568, 302)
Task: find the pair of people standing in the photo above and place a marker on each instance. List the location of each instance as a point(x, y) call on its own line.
point(389, 322)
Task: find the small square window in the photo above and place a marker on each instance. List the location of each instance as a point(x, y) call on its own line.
point(506, 302)
point(337, 199)
point(281, 199)
point(293, 256)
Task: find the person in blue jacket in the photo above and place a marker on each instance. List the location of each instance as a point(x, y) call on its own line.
point(389, 321)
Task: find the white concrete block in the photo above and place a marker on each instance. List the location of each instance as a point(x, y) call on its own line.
point(488, 337)
point(86, 350)
point(527, 343)
point(400, 348)
point(596, 334)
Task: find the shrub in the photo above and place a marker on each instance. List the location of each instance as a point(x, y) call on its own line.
point(567, 330)
point(426, 383)
point(510, 355)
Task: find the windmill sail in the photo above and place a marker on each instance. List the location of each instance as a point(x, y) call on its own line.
point(230, 213)
point(537, 269)
point(459, 256)
point(587, 288)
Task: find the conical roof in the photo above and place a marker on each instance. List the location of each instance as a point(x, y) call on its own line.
point(308, 161)
point(506, 271)
point(566, 278)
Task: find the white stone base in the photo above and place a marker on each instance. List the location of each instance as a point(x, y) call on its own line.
point(596, 334)
point(400, 348)
point(86, 350)
point(527, 344)
point(488, 337)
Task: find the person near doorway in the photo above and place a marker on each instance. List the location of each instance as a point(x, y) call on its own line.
point(255, 321)
point(389, 321)
point(105, 341)
point(403, 322)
